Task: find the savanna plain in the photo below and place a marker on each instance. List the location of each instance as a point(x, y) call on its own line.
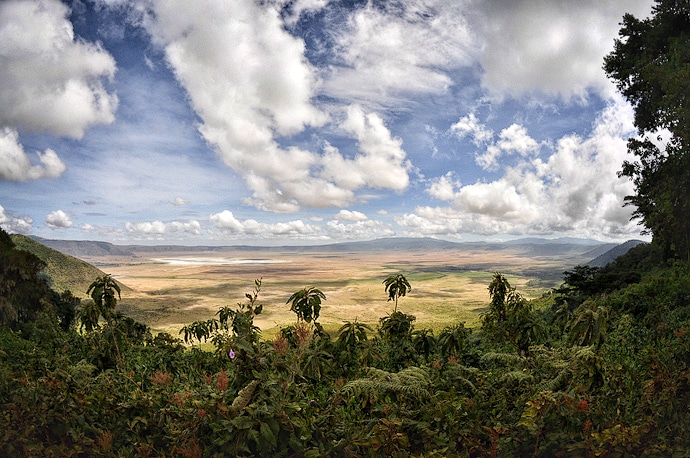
point(169, 290)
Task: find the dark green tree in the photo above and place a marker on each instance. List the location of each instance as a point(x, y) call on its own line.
point(453, 340)
point(23, 290)
point(650, 64)
point(510, 317)
point(396, 286)
point(102, 290)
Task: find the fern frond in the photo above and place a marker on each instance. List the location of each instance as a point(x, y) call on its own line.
point(555, 383)
point(503, 359)
point(517, 378)
point(412, 382)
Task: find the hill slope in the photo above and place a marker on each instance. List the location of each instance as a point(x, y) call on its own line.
point(66, 272)
point(610, 255)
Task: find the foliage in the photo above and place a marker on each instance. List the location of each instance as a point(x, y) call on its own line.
point(617, 384)
point(396, 286)
point(22, 288)
point(510, 318)
point(306, 303)
point(650, 64)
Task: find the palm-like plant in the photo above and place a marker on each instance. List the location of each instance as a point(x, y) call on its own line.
point(306, 303)
point(424, 342)
point(102, 291)
point(352, 333)
point(453, 339)
point(396, 286)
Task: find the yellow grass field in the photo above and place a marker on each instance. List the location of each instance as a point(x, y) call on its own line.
point(174, 289)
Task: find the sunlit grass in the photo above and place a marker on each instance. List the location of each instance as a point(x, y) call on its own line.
point(444, 290)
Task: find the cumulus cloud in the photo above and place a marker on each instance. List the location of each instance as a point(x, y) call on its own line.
point(575, 190)
point(15, 224)
point(386, 51)
point(250, 82)
point(50, 81)
point(470, 126)
point(511, 140)
point(58, 219)
point(159, 228)
point(15, 164)
point(350, 215)
point(227, 223)
point(358, 230)
point(180, 202)
point(555, 47)
point(382, 163)
point(443, 188)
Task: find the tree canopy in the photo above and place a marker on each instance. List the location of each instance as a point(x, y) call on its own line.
point(650, 64)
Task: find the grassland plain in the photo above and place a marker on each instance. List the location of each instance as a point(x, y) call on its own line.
point(448, 286)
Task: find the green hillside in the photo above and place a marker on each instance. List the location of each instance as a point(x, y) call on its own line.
point(66, 272)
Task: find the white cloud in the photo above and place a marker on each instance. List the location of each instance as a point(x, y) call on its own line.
point(49, 81)
point(58, 219)
point(383, 163)
point(249, 81)
point(297, 8)
point(513, 139)
point(575, 190)
point(179, 201)
point(158, 227)
point(554, 48)
point(470, 125)
point(15, 164)
point(389, 50)
point(15, 224)
point(350, 215)
point(358, 230)
point(227, 223)
point(443, 188)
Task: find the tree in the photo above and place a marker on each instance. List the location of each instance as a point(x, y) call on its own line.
point(650, 64)
point(102, 291)
point(396, 286)
point(453, 339)
point(306, 303)
point(510, 317)
point(22, 288)
point(351, 334)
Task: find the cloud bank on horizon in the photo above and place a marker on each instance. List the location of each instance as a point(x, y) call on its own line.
point(311, 120)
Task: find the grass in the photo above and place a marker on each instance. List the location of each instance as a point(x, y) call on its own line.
point(444, 291)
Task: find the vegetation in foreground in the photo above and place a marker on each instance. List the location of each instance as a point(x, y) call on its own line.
point(603, 371)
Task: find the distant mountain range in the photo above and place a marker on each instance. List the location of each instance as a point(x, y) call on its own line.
point(67, 271)
point(566, 246)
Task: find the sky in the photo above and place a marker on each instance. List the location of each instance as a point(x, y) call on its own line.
point(289, 122)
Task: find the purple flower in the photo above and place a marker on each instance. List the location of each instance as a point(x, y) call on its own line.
point(231, 354)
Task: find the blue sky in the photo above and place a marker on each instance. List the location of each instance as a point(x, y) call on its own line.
point(312, 121)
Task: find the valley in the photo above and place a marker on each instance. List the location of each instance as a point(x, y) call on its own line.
point(174, 288)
